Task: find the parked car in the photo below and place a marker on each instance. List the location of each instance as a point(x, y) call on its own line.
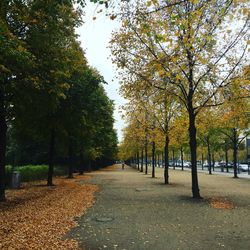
point(243, 167)
point(187, 164)
point(217, 165)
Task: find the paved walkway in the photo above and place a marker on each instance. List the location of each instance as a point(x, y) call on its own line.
point(134, 211)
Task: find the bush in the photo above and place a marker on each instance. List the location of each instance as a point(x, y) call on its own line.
point(33, 172)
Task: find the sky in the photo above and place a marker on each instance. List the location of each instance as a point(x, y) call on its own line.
point(94, 36)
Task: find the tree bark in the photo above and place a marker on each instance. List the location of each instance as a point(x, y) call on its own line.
point(192, 126)
point(142, 158)
point(71, 170)
point(226, 156)
point(173, 159)
point(213, 161)
point(202, 161)
point(182, 165)
point(235, 152)
point(162, 159)
point(153, 160)
point(3, 136)
point(209, 156)
point(158, 160)
point(51, 157)
point(193, 150)
point(166, 160)
point(138, 160)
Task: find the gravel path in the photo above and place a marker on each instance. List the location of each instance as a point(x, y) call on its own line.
point(134, 211)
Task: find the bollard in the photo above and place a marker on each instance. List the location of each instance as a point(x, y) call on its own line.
point(16, 180)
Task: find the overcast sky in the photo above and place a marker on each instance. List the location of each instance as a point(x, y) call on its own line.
point(95, 36)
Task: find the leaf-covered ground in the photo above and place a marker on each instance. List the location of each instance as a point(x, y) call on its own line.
point(221, 203)
point(37, 216)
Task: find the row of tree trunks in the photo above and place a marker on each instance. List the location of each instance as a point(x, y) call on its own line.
point(193, 147)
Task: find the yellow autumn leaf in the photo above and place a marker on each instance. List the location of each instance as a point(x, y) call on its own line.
point(174, 59)
point(161, 73)
point(178, 77)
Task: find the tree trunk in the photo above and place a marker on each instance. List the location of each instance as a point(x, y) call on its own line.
point(166, 160)
point(173, 159)
point(235, 152)
point(71, 170)
point(162, 159)
point(193, 150)
point(182, 165)
point(209, 156)
point(158, 160)
point(142, 160)
point(138, 160)
point(153, 160)
point(202, 161)
point(81, 164)
point(226, 156)
point(3, 132)
point(51, 157)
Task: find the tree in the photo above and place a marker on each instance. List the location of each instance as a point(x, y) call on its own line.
point(15, 64)
point(208, 134)
point(179, 135)
point(51, 38)
point(192, 48)
point(235, 118)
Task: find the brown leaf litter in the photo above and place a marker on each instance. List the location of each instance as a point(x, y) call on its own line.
point(38, 216)
point(221, 203)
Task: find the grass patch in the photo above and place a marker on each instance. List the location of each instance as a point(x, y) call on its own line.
point(33, 172)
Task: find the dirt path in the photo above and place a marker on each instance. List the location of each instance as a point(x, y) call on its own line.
point(134, 211)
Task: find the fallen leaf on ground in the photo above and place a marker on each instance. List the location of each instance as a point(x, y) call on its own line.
point(221, 203)
point(37, 216)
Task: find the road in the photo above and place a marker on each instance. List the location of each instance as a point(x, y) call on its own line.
point(134, 211)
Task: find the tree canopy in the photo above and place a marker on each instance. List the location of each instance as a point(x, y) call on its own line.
point(191, 51)
point(54, 108)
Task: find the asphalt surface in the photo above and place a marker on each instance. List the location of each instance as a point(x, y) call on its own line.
point(134, 211)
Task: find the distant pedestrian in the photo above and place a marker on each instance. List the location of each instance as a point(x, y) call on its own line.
point(122, 166)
